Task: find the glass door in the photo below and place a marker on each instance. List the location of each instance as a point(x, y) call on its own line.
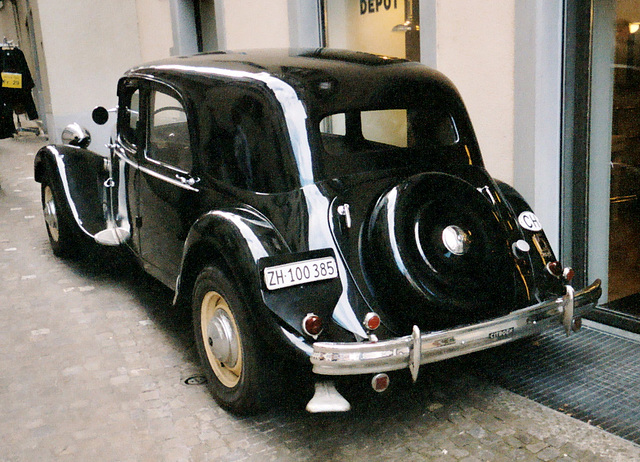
point(624, 213)
point(387, 27)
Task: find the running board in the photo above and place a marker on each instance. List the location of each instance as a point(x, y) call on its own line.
point(112, 236)
point(327, 399)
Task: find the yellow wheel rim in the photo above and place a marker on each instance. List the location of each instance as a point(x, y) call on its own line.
point(224, 351)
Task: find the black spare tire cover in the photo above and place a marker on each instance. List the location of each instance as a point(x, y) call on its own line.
point(436, 251)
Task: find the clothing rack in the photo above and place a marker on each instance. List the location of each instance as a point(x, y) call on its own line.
point(18, 128)
point(7, 43)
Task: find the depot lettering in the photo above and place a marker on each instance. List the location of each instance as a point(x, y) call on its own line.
point(373, 6)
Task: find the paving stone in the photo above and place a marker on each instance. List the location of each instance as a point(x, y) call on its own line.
point(536, 447)
point(464, 439)
point(93, 361)
point(549, 453)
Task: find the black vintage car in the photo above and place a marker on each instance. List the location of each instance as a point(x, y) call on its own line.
point(325, 209)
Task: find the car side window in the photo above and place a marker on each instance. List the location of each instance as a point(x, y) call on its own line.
point(129, 117)
point(169, 142)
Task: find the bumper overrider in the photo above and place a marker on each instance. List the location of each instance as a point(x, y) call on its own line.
point(411, 351)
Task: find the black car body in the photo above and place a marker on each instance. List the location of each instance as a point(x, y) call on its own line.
point(326, 208)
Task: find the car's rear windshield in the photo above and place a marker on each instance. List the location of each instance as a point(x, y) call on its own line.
point(357, 141)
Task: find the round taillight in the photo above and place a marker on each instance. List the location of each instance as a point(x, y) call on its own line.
point(380, 382)
point(312, 325)
point(576, 324)
point(371, 321)
point(568, 274)
point(555, 268)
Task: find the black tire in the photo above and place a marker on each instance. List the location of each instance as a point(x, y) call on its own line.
point(241, 375)
point(64, 234)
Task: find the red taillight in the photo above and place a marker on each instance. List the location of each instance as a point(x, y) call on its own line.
point(371, 321)
point(312, 325)
point(380, 382)
point(568, 274)
point(555, 268)
point(576, 324)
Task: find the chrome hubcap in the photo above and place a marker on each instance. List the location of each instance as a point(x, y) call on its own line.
point(221, 339)
point(50, 214)
point(456, 240)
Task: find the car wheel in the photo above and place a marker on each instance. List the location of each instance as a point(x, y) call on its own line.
point(234, 359)
point(58, 220)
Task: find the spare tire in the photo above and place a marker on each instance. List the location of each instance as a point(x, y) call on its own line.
point(437, 252)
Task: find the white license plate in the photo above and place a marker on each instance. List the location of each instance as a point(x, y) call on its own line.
point(300, 272)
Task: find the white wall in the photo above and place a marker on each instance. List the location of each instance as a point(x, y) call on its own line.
point(505, 57)
point(85, 58)
point(252, 24)
point(154, 25)
point(7, 26)
point(538, 111)
point(475, 49)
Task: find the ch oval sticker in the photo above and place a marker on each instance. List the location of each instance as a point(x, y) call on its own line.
point(528, 220)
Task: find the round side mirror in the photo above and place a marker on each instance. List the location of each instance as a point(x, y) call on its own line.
point(100, 115)
point(75, 135)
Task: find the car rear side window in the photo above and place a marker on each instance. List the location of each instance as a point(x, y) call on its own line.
point(169, 142)
point(245, 142)
point(360, 141)
point(400, 128)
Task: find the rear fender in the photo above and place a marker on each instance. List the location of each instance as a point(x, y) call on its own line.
point(541, 252)
point(240, 241)
point(89, 187)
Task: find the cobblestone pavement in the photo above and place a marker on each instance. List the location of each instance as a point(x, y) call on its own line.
point(93, 364)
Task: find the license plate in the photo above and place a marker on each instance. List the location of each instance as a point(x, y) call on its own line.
point(300, 272)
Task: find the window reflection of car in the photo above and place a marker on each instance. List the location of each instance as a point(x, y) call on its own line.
point(322, 211)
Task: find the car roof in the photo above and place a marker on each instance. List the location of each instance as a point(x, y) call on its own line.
point(323, 77)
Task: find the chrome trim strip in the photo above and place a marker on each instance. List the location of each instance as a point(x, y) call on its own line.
point(351, 358)
point(120, 153)
point(162, 177)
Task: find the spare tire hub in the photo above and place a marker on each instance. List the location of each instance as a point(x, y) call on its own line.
point(456, 240)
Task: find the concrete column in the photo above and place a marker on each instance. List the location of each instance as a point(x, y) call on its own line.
point(183, 25)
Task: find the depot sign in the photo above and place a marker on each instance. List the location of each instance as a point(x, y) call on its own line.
point(373, 6)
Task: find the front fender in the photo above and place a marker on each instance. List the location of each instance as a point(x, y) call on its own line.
point(80, 174)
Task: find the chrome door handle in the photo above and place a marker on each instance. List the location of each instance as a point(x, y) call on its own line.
point(189, 181)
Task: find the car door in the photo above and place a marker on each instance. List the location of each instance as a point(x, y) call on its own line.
point(166, 189)
point(126, 150)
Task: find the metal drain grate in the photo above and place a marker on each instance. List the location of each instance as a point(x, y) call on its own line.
point(593, 376)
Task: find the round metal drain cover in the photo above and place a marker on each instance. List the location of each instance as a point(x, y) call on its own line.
point(196, 380)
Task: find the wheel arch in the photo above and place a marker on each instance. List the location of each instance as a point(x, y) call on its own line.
point(77, 173)
point(234, 241)
point(197, 256)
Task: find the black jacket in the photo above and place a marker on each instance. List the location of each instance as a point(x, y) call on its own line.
point(15, 94)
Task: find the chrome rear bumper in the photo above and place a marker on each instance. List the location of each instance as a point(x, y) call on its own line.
point(411, 351)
